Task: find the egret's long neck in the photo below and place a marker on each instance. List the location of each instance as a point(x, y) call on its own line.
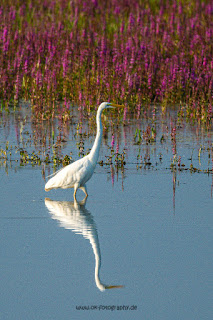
point(93, 238)
point(96, 249)
point(97, 253)
point(97, 274)
point(94, 153)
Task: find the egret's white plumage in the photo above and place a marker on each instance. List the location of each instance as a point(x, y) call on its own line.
point(79, 172)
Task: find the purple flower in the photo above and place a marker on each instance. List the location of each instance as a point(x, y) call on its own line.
point(117, 148)
point(113, 141)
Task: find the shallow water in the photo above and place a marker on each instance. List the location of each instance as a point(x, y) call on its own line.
point(150, 227)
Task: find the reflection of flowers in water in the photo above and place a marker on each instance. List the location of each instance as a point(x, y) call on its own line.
point(75, 216)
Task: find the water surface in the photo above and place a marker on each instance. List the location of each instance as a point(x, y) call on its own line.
point(148, 225)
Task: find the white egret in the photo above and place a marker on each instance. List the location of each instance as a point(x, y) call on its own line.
point(76, 174)
point(75, 216)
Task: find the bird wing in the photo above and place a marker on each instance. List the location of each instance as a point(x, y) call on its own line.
point(77, 172)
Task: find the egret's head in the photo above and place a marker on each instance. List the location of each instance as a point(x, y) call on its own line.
point(106, 105)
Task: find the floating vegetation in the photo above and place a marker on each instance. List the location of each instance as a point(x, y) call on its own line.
point(162, 143)
point(116, 158)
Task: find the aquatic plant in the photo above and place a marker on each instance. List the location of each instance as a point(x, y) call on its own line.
point(59, 54)
point(145, 136)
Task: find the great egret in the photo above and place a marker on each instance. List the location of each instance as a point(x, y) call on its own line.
point(75, 216)
point(76, 174)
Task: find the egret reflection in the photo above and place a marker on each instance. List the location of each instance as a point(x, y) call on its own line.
point(75, 216)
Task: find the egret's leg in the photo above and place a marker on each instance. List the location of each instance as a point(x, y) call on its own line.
point(84, 189)
point(75, 190)
point(74, 195)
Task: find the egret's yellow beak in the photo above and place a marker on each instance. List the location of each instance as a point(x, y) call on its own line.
point(117, 105)
point(113, 287)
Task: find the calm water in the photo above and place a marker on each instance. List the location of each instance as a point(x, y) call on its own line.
point(147, 229)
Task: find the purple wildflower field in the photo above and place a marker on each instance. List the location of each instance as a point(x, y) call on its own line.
point(83, 52)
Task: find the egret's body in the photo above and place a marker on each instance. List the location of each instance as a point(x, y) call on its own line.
point(78, 173)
